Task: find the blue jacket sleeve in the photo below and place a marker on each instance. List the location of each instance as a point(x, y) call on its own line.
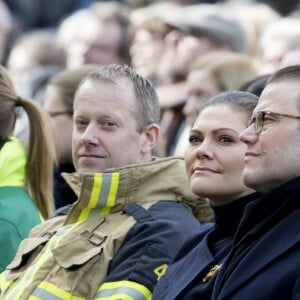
point(151, 244)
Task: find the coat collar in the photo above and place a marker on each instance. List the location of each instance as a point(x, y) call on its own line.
point(271, 222)
point(113, 190)
point(258, 258)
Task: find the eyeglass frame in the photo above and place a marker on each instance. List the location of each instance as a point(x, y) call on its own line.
point(259, 119)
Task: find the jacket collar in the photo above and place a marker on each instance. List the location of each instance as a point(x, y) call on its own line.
point(113, 190)
point(258, 258)
point(266, 221)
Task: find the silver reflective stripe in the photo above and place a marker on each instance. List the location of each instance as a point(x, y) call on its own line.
point(105, 188)
point(45, 295)
point(103, 197)
point(121, 290)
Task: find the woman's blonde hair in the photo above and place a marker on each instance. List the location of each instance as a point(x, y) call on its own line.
point(40, 158)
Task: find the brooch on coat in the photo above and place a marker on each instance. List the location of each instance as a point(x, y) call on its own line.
point(213, 270)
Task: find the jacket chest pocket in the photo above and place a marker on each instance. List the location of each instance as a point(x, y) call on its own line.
point(74, 260)
point(28, 250)
point(79, 265)
point(79, 250)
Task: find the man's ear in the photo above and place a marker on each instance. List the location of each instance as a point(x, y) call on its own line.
point(151, 135)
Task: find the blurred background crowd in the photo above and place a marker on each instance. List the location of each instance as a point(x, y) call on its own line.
point(190, 50)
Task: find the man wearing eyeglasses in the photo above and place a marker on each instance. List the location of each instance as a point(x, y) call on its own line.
point(265, 259)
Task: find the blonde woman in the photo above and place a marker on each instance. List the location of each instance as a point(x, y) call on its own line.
point(26, 176)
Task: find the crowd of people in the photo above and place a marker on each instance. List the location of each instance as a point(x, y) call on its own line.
point(149, 150)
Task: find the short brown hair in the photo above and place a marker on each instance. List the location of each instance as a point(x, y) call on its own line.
point(148, 108)
point(287, 73)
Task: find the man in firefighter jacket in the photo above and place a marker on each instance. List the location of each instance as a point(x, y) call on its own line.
point(133, 211)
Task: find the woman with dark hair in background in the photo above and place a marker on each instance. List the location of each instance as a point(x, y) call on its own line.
point(58, 102)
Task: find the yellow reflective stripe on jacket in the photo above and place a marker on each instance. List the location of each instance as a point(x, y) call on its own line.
point(4, 284)
point(94, 198)
point(18, 289)
point(127, 290)
point(34, 298)
point(101, 196)
point(49, 291)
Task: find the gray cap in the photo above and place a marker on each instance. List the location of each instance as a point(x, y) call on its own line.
point(214, 20)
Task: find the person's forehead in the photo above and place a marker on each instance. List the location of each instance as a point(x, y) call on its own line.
point(110, 31)
point(117, 81)
point(282, 96)
point(121, 88)
point(222, 115)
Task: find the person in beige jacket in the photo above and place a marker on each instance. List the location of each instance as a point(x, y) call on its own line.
point(133, 209)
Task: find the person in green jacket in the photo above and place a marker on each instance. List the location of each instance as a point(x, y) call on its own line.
point(25, 174)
